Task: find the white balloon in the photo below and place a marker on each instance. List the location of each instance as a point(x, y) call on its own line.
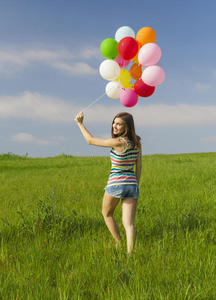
point(123, 32)
point(109, 69)
point(113, 89)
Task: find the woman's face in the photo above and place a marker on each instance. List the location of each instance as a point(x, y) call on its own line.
point(118, 126)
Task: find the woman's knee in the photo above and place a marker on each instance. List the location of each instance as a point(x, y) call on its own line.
point(128, 224)
point(109, 205)
point(106, 213)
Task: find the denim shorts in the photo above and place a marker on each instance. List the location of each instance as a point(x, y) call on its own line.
point(123, 191)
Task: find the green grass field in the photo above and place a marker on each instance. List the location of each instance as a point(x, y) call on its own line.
point(55, 245)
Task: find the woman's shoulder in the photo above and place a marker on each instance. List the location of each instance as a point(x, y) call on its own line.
point(133, 143)
point(121, 144)
point(128, 143)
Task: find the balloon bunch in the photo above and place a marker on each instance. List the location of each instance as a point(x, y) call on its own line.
point(143, 53)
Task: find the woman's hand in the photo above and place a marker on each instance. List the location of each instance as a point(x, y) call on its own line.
point(79, 118)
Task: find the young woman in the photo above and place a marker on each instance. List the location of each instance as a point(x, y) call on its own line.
point(123, 180)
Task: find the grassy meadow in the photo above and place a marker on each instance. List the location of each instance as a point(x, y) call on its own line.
point(54, 243)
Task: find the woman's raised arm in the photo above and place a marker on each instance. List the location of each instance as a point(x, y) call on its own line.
point(113, 143)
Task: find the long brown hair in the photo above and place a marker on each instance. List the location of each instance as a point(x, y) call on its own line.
point(129, 128)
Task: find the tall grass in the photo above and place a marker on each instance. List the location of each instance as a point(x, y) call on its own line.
point(55, 245)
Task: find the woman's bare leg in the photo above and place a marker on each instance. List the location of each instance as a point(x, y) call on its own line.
point(128, 216)
point(108, 207)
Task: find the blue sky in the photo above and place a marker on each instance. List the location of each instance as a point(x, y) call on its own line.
point(49, 71)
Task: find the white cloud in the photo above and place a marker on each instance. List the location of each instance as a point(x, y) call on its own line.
point(202, 87)
point(28, 138)
point(13, 58)
point(211, 139)
point(76, 68)
point(46, 55)
point(36, 106)
point(88, 53)
point(39, 107)
point(177, 115)
point(60, 138)
point(13, 61)
point(157, 115)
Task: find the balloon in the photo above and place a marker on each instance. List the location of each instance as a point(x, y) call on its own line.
point(109, 69)
point(113, 89)
point(153, 75)
point(124, 77)
point(127, 48)
point(129, 86)
point(149, 54)
point(123, 32)
point(109, 48)
point(122, 63)
point(136, 71)
point(143, 89)
point(145, 35)
point(128, 97)
point(135, 58)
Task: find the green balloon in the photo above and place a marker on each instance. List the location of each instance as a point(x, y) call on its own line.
point(109, 48)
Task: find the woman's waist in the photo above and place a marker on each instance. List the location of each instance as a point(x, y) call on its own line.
point(122, 174)
point(117, 178)
point(121, 171)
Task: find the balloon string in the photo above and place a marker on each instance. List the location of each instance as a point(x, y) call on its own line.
point(96, 100)
point(92, 103)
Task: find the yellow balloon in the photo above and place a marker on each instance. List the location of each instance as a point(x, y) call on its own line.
point(129, 86)
point(135, 59)
point(124, 77)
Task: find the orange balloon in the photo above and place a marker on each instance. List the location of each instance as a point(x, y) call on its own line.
point(136, 71)
point(145, 35)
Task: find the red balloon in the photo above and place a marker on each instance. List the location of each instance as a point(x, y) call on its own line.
point(143, 89)
point(127, 48)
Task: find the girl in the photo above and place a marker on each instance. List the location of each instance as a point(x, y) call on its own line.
point(123, 181)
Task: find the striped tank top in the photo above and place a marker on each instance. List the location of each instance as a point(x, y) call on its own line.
point(122, 171)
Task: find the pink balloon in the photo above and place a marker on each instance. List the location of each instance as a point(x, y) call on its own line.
point(122, 63)
point(128, 97)
point(149, 54)
point(153, 75)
